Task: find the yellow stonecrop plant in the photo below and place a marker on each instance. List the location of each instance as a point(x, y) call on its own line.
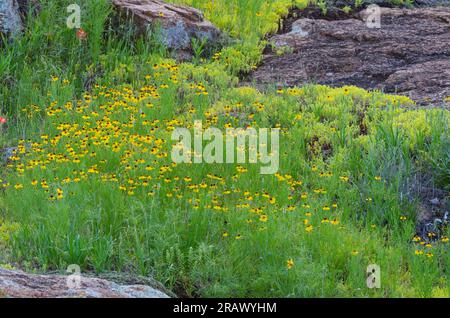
point(241, 18)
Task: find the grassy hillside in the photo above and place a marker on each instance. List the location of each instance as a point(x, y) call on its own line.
point(92, 182)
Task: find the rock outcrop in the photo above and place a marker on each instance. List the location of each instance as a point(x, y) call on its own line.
point(18, 284)
point(6, 153)
point(13, 13)
point(409, 54)
point(10, 21)
point(177, 24)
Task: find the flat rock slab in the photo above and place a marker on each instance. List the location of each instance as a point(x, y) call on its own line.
point(17, 284)
point(10, 21)
point(408, 55)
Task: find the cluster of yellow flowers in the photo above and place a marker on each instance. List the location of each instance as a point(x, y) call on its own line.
point(119, 139)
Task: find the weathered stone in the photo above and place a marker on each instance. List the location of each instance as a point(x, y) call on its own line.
point(10, 21)
point(408, 55)
point(18, 284)
point(178, 24)
point(6, 153)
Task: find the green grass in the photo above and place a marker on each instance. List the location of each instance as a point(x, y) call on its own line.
point(92, 182)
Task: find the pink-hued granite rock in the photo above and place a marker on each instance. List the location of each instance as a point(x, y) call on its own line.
point(409, 54)
point(17, 284)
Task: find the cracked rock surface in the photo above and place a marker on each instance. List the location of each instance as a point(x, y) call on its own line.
point(408, 55)
point(10, 21)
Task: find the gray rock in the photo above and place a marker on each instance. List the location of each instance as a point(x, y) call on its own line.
point(10, 21)
point(435, 201)
point(432, 2)
point(17, 284)
point(385, 3)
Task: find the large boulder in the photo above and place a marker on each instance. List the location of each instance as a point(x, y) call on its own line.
point(17, 284)
point(408, 55)
point(178, 24)
point(10, 21)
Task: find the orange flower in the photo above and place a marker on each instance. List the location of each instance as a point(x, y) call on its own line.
point(81, 34)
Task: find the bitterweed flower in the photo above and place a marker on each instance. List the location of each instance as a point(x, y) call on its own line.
point(290, 263)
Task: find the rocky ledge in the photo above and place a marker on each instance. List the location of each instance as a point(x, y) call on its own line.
point(178, 24)
point(409, 54)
